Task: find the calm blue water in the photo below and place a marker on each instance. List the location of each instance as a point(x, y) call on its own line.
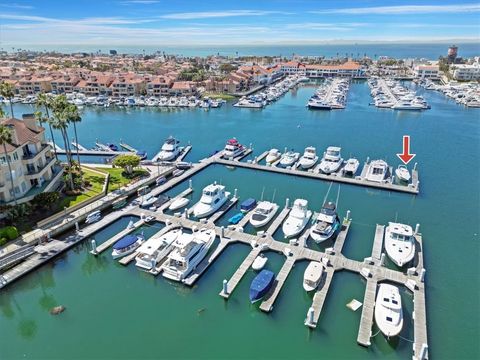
point(446, 140)
point(396, 50)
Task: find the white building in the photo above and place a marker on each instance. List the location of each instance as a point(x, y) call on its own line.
point(426, 71)
point(466, 72)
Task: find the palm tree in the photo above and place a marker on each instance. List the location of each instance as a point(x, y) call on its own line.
point(7, 91)
point(6, 137)
point(44, 100)
point(73, 116)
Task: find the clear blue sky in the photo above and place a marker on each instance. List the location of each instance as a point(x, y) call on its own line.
point(184, 22)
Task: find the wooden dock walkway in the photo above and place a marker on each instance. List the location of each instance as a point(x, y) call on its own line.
point(127, 147)
point(259, 158)
point(342, 235)
point(320, 296)
point(218, 214)
point(240, 272)
point(267, 304)
point(184, 153)
point(411, 189)
point(378, 242)
point(277, 221)
point(365, 329)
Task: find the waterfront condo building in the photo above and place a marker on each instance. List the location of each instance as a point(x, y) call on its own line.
point(32, 161)
point(426, 71)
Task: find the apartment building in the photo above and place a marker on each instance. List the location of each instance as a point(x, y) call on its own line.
point(31, 160)
point(159, 86)
point(426, 71)
point(124, 86)
point(64, 84)
point(183, 88)
point(466, 72)
point(347, 69)
point(34, 84)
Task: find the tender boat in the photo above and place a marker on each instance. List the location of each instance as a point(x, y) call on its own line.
point(399, 243)
point(248, 205)
point(127, 245)
point(326, 224)
point(170, 150)
point(148, 200)
point(189, 250)
point(351, 167)
point(235, 219)
point(261, 284)
point(312, 276)
point(377, 171)
point(402, 173)
point(177, 172)
point(289, 158)
point(332, 160)
point(233, 149)
point(155, 249)
point(273, 155)
point(142, 154)
point(178, 204)
point(388, 310)
point(112, 147)
point(309, 158)
point(93, 217)
point(259, 262)
point(161, 180)
point(263, 213)
point(144, 190)
point(213, 197)
point(297, 218)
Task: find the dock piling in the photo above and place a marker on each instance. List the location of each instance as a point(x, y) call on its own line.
point(422, 275)
point(225, 286)
point(310, 316)
point(348, 215)
point(417, 229)
point(382, 259)
point(287, 203)
point(94, 246)
point(190, 184)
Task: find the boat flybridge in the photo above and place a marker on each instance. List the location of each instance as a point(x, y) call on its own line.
point(326, 224)
point(263, 213)
point(189, 250)
point(388, 310)
point(332, 160)
point(170, 150)
point(233, 149)
point(312, 276)
point(399, 243)
point(213, 197)
point(377, 171)
point(289, 158)
point(309, 158)
point(273, 155)
point(297, 219)
point(155, 249)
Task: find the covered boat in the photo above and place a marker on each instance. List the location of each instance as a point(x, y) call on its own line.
point(127, 245)
point(261, 284)
point(235, 219)
point(248, 204)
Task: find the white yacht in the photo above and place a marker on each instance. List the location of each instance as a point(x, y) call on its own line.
point(332, 160)
point(289, 158)
point(326, 224)
point(377, 171)
point(155, 249)
point(148, 200)
point(312, 276)
point(178, 203)
point(351, 167)
point(309, 158)
point(127, 245)
point(233, 149)
point(170, 150)
point(189, 250)
point(273, 155)
point(399, 243)
point(408, 105)
point(297, 218)
point(316, 103)
point(388, 310)
point(213, 197)
point(263, 213)
point(402, 173)
point(93, 217)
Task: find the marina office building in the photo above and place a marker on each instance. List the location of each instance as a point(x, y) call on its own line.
point(31, 161)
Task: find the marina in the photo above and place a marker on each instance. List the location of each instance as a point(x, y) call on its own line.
point(343, 255)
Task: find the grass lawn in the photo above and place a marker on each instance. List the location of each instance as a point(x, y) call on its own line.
point(96, 182)
point(222, 96)
point(117, 178)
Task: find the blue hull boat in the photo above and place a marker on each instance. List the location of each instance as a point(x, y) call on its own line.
point(235, 219)
point(248, 204)
point(261, 284)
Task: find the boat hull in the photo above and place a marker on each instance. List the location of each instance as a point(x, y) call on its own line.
point(260, 285)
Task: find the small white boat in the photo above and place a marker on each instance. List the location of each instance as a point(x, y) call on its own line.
point(351, 166)
point(297, 218)
point(332, 160)
point(399, 243)
point(289, 158)
point(273, 155)
point(149, 219)
point(259, 262)
point(388, 310)
point(263, 213)
point(312, 276)
point(155, 249)
point(309, 158)
point(148, 200)
point(213, 197)
point(178, 204)
point(402, 173)
point(93, 217)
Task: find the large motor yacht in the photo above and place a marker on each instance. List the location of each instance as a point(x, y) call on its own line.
point(377, 171)
point(213, 197)
point(332, 160)
point(399, 243)
point(326, 224)
point(309, 158)
point(233, 149)
point(155, 249)
point(388, 310)
point(170, 150)
point(263, 213)
point(297, 218)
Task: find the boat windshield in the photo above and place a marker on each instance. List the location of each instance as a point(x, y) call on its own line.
point(378, 171)
point(177, 264)
point(333, 152)
point(400, 237)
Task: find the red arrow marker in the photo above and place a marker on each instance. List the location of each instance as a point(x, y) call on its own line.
point(406, 156)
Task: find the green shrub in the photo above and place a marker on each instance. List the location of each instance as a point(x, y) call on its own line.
point(9, 233)
point(3, 241)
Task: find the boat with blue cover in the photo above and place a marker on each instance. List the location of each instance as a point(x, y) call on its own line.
point(127, 245)
point(142, 154)
point(261, 284)
point(248, 205)
point(235, 219)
